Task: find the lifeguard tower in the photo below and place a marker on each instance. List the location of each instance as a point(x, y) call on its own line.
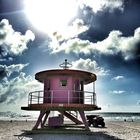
point(63, 92)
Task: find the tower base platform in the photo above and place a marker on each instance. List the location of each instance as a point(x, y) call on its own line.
point(61, 107)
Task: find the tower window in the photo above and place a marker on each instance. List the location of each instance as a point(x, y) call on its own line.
point(63, 83)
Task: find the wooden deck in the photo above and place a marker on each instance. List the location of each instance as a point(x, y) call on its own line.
point(59, 107)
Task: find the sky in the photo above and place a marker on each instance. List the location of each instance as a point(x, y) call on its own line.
point(102, 37)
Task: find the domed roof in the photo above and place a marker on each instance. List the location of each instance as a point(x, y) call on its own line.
point(86, 77)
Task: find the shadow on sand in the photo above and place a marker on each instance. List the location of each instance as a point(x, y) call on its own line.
point(76, 136)
point(67, 132)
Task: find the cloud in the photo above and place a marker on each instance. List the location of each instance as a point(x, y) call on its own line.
point(118, 78)
point(113, 45)
point(72, 45)
point(17, 88)
point(15, 68)
point(6, 71)
point(117, 92)
point(138, 102)
point(89, 65)
point(107, 106)
point(101, 5)
point(12, 42)
point(70, 31)
point(6, 59)
point(60, 38)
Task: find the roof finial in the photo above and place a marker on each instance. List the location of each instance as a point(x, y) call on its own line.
point(65, 65)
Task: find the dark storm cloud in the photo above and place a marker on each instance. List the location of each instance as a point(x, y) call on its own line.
point(10, 5)
point(3, 72)
point(103, 22)
point(3, 98)
point(99, 6)
point(6, 71)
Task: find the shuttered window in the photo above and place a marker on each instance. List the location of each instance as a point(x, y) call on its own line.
point(63, 83)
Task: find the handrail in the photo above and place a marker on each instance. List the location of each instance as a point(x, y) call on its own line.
point(37, 97)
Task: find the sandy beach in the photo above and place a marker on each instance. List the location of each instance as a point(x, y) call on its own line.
point(114, 130)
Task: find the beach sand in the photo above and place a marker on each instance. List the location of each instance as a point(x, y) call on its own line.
point(114, 130)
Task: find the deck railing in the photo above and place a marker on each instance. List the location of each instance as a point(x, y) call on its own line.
point(37, 97)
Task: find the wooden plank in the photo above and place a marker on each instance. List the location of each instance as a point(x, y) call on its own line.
point(39, 121)
point(68, 115)
point(45, 118)
point(55, 107)
point(82, 114)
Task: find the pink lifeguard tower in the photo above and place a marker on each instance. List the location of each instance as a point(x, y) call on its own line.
point(63, 92)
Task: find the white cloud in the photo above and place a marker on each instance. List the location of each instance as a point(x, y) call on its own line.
point(138, 102)
point(101, 5)
point(89, 65)
point(117, 92)
point(114, 44)
point(8, 70)
point(15, 68)
point(72, 45)
point(106, 107)
point(118, 78)
point(12, 42)
point(60, 39)
point(17, 88)
point(121, 108)
point(76, 28)
point(13, 89)
point(66, 34)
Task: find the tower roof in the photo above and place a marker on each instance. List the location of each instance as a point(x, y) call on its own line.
point(87, 77)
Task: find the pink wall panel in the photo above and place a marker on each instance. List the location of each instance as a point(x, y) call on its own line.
point(59, 93)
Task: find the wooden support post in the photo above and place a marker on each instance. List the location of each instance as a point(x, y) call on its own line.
point(45, 118)
point(82, 114)
point(82, 93)
point(31, 99)
point(39, 121)
point(68, 115)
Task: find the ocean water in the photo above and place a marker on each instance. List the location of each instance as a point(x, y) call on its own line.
point(9, 116)
point(114, 116)
point(118, 116)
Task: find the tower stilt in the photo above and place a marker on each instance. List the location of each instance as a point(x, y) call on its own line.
point(68, 115)
point(82, 114)
point(45, 118)
point(39, 121)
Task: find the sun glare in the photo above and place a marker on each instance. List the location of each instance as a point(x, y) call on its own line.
point(50, 15)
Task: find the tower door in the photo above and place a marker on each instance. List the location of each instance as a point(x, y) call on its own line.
point(47, 92)
point(76, 91)
point(82, 92)
point(60, 90)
